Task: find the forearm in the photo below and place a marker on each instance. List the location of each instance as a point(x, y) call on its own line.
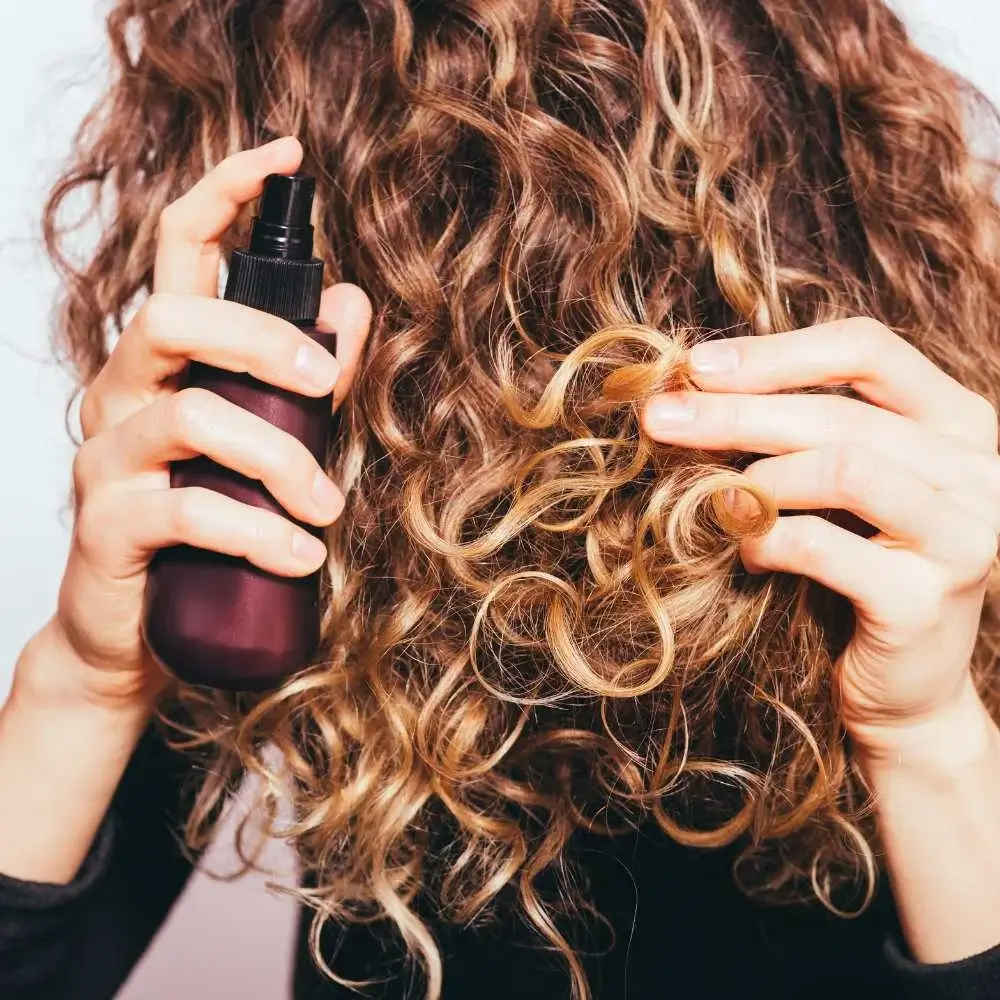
point(60, 762)
point(938, 805)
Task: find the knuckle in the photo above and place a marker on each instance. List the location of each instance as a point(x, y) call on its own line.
point(230, 168)
point(292, 460)
point(871, 336)
point(84, 468)
point(91, 412)
point(281, 456)
point(90, 529)
point(983, 416)
point(851, 473)
point(838, 413)
point(803, 541)
point(926, 594)
point(263, 531)
point(254, 531)
point(732, 414)
point(990, 474)
point(186, 412)
point(154, 317)
point(980, 557)
point(187, 512)
point(170, 218)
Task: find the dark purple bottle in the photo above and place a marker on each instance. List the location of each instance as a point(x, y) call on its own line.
point(214, 619)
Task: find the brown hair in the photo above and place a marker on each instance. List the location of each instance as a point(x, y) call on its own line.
point(535, 618)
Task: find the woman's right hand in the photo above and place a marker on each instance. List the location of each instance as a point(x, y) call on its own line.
point(135, 421)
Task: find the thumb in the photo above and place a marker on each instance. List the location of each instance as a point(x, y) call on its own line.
point(346, 311)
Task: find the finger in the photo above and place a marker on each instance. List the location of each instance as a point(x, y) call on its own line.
point(118, 530)
point(779, 424)
point(884, 494)
point(870, 575)
point(198, 422)
point(347, 311)
point(170, 330)
point(187, 254)
point(859, 352)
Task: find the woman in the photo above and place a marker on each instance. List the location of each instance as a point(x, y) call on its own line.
point(663, 507)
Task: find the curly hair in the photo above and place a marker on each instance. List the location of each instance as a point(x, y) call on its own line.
point(535, 618)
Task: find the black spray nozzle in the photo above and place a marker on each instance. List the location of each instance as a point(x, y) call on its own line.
point(282, 227)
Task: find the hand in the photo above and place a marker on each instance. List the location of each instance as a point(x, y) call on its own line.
point(916, 459)
point(135, 423)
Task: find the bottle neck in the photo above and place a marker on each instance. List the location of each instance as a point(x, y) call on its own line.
point(282, 242)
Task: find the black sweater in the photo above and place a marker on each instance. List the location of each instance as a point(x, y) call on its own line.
point(682, 929)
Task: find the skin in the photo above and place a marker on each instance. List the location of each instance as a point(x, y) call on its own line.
point(918, 460)
point(84, 686)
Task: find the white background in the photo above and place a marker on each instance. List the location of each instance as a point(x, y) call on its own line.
point(225, 940)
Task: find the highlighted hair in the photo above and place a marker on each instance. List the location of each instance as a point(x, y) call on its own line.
point(535, 618)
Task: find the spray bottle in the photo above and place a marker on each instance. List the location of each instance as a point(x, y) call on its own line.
point(215, 619)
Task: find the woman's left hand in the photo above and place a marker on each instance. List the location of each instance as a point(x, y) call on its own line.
point(916, 458)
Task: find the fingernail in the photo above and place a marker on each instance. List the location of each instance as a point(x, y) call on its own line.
point(714, 357)
point(307, 548)
point(739, 503)
point(325, 493)
point(317, 366)
point(667, 411)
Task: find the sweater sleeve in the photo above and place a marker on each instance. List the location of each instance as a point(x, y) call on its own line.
point(973, 978)
point(79, 941)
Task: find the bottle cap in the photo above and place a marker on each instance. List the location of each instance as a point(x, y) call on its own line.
point(277, 272)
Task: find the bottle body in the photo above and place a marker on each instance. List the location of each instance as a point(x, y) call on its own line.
point(217, 620)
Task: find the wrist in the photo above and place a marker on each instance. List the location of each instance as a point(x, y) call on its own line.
point(960, 738)
point(937, 805)
point(63, 750)
point(51, 675)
